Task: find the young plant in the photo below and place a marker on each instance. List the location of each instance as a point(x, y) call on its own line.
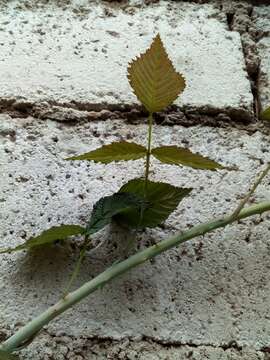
point(140, 202)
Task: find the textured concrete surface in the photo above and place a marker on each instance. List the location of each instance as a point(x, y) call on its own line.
point(79, 54)
point(62, 72)
point(262, 18)
point(75, 349)
point(211, 291)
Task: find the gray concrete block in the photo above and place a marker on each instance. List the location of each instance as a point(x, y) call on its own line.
point(78, 53)
point(262, 22)
point(210, 291)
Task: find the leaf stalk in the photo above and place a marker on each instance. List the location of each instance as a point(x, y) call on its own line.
point(76, 270)
point(148, 154)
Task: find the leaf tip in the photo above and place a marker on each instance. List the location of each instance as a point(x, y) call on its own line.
point(231, 168)
point(70, 158)
point(154, 79)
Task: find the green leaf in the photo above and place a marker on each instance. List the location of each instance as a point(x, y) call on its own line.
point(7, 356)
point(48, 236)
point(161, 200)
point(265, 115)
point(114, 152)
point(154, 79)
point(107, 207)
point(181, 156)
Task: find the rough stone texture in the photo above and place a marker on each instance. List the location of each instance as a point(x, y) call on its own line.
point(76, 349)
point(65, 65)
point(78, 53)
point(239, 19)
point(209, 293)
point(262, 21)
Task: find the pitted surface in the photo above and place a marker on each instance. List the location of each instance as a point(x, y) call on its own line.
point(65, 65)
point(79, 54)
point(208, 291)
point(262, 20)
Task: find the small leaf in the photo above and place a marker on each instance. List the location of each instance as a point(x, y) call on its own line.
point(154, 79)
point(107, 207)
point(265, 115)
point(161, 200)
point(114, 152)
point(181, 156)
point(48, 236)
point(7, 356)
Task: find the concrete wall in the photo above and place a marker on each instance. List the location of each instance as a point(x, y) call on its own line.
point(64, 91)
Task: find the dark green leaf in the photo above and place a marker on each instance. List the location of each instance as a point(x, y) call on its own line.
point(161, 200)
point(48, 236)
point(181, 156)
point(7, 356)
point(114, 152)
point(107, 207)
point(154, 79)
point(265, 115)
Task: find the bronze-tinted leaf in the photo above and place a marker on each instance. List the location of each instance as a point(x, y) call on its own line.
point(49, 236)
point(154, 79)
point(181, 156)
point(160, 201)
point(116, 151)
point(7, 356)
point(265, 115)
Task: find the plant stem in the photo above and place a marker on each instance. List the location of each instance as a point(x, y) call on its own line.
point(77, 266)
point(116, 270)
point(251, 192)
point(148, 154)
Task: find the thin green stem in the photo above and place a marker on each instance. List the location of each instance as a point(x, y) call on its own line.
point(116, 270)
point(77, 266)
point(148, 154)
point(243, 202)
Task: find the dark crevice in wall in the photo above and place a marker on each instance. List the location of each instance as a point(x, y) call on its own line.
point(255, 70)
point(226, 346)
point(230, 17)
point(101, 346)
point(254, 78)
point(240, 18)
point(72, 114)
point(76, 111)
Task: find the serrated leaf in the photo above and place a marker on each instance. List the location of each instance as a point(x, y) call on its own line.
point(265, 115)
point(7, 356)
point(48, 236)
point(181, 156)
point(109, 206)
point(161, 200)
point(114, 152)
point(154, 79)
